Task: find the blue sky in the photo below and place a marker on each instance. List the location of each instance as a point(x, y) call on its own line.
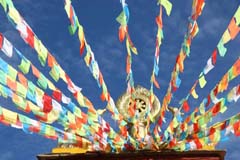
point(49, 21)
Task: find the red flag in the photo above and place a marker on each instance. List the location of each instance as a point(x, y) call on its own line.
point(100, 78)
point(121, 33)
point(47, 103)
point(215, 91)
point(159, 21)
point(106, 127)
point(212, 131)
point(102, 97)
point(69, 81)
point(57, 95)
point(216, 108)
point(160, 121)
point(128, 64)
point(42, 117)
point(28, 109)
point(214, 57)
point(198, 143)
point(83, 119)
point(30, 37)
point(82, 46)
point(1, 40)
point(238, 90)
point(236, 127)
point(199, 6)
point(35, 129)
point(186, 107)
point(71, 15)
point(208, 101)
point(195, 127)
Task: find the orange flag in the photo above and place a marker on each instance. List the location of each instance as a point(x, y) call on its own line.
point(233, 29)
point(121, 33)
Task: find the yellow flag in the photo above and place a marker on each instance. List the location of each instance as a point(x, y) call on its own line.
point(80, 99)
point(49, 130)
point(62, 73)
point(226, 37)
point(39, 92)
point(167, 5)
point(202, 81)
point(13, 13)
point(9, 116)
point(78, 112)
point(71, 117)
point(51, 85)
point(237, 16)
point(194, 94)
point(21, 90)
point(36, 44)
point(33, 107)
point(87, 59)
point(101, 111)
point(53, 116)
point(223, 109)
point(175, 122)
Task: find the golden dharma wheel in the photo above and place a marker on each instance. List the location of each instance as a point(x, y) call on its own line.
point(136, 107)
point(139, 102)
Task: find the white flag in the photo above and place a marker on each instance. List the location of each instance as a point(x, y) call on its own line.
point(7, 47)
point(65, 99)
point(208, 67)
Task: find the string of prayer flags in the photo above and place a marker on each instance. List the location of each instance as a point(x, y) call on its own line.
point(123, 19)
point(90, 130)
point(27, 106)
point(37, 93)
point(42, 83)
point(49, 108)
point(212, 134)
point(29, 37)
point(220, 107)
point(220, 87)
point(94, 68)
point(213, 59)
point(29, 125)
point(174, 84)
point(168, 6)
point(21, 90)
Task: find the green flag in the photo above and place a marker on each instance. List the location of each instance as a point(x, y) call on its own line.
point(24, 66)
